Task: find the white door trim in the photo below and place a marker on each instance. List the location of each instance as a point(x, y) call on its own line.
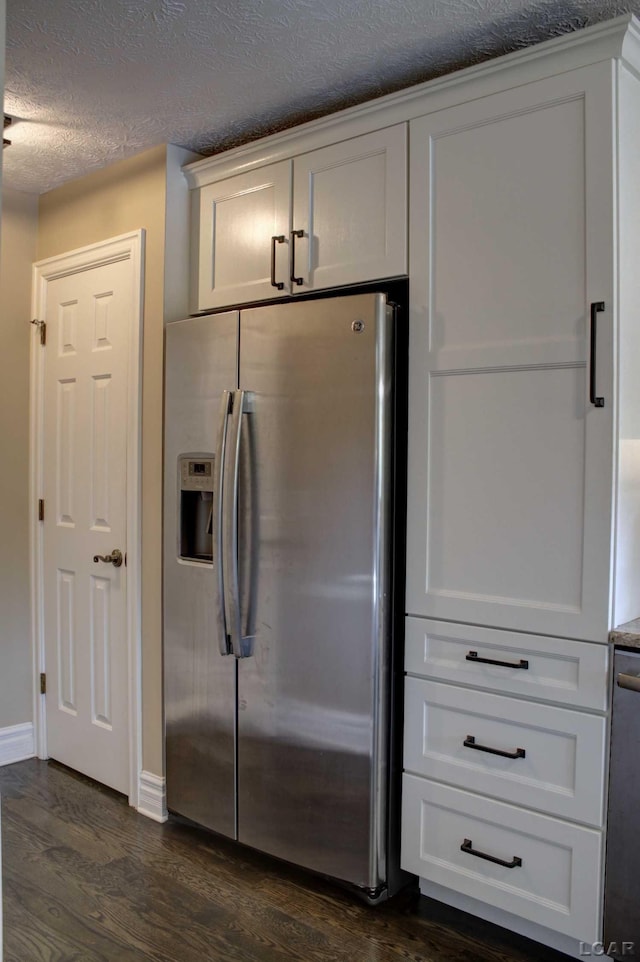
point(125, 247)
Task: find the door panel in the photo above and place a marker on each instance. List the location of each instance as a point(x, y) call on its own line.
point(309, 705)
point(200, 684)
point(510, 477)
point(350, 203)
point(88, 316)
point(237, 219)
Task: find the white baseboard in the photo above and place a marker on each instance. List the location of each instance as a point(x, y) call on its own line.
point(152, 797)
point(17, 742)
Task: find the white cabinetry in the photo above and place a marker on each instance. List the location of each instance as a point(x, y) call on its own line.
point(542, 758)
point(350, 202)
point(539, 868)
point(235, 221)
point(510, 465)
point(327, 218)
point(524, 454)
point(503, 796)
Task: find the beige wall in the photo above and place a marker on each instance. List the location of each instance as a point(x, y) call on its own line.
point(17, 253)
point(126, 196)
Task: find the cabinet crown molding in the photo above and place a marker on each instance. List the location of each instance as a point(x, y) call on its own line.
point(617, 39)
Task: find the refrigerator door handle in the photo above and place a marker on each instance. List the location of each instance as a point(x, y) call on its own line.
point(240, 645)
point(218, 567)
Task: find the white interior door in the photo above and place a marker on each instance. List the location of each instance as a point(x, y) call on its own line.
point(89, 317)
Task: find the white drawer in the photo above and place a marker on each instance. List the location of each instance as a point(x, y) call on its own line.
point(561, 771)
point(557, 883)
point(568, 672)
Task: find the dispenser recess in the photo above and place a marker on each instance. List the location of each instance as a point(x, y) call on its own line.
point(195, 511)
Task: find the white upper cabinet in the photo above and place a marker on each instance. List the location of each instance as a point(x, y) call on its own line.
point(510, 462)
point(242, 227)
point(349, 202)
point(345, 223)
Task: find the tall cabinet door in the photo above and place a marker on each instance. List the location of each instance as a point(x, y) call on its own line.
point(349, 207)
point(510, 464)
point(242, 224)
point(199, 682)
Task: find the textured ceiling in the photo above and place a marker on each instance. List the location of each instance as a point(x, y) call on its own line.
point(93, 81)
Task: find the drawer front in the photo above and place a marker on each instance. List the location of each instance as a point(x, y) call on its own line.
point(556, 867)
point(569, 672)
point(559, 754)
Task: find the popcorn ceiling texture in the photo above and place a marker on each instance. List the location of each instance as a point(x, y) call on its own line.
point(94, 81)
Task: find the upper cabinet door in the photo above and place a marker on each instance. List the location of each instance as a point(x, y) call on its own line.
point(242, 231)
point(510, 464)
point(350, 203)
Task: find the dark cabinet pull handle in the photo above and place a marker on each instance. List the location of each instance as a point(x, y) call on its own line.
point(277, 239)
point(596, 308)
point(470, 742)
point(467, 847)
point(294, 279)
point(473, 656)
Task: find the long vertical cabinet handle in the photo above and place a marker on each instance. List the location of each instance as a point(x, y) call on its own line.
point(218, 567)
point(230, 532)
point(293, 278)
point(596, 308)
point(276, 239)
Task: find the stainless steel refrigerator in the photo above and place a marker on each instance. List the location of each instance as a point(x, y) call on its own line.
point(277, 581)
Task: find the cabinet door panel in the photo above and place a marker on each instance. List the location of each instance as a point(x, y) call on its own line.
point(236, 219)
point(557, 880)
point(560, 768)
point(552, 669)
point(510, 473)
point(505, 511)
point(350, 201)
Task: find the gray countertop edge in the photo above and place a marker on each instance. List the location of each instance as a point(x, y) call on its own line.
point(627, 634)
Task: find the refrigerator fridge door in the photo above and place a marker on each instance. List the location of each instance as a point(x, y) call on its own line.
point(314, 514)
point(200, 684)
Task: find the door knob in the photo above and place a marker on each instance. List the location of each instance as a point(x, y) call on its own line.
point(115, 558)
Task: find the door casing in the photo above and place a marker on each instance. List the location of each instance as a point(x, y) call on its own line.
point(123, 247)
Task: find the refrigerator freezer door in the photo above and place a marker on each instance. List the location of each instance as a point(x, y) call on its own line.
point(313, 512)
point(200, 683)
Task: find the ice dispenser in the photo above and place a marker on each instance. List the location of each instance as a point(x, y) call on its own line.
point(195, 515)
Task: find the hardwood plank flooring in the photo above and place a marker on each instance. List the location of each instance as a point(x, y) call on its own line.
point(87, 879)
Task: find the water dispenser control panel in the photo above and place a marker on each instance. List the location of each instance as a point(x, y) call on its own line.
point(196, 475)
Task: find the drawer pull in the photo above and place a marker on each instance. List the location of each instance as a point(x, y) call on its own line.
point(473, 656)
point(630, 682)
point(470, 742)
point(467, 847)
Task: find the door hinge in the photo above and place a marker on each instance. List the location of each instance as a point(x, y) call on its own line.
point(42, 327)
point(43, 683)
point(40, 509)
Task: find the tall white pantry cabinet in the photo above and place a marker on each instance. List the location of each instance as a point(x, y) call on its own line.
point(523, 546)
point(524, 470)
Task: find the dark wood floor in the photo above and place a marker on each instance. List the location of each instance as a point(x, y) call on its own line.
point(86, 879)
